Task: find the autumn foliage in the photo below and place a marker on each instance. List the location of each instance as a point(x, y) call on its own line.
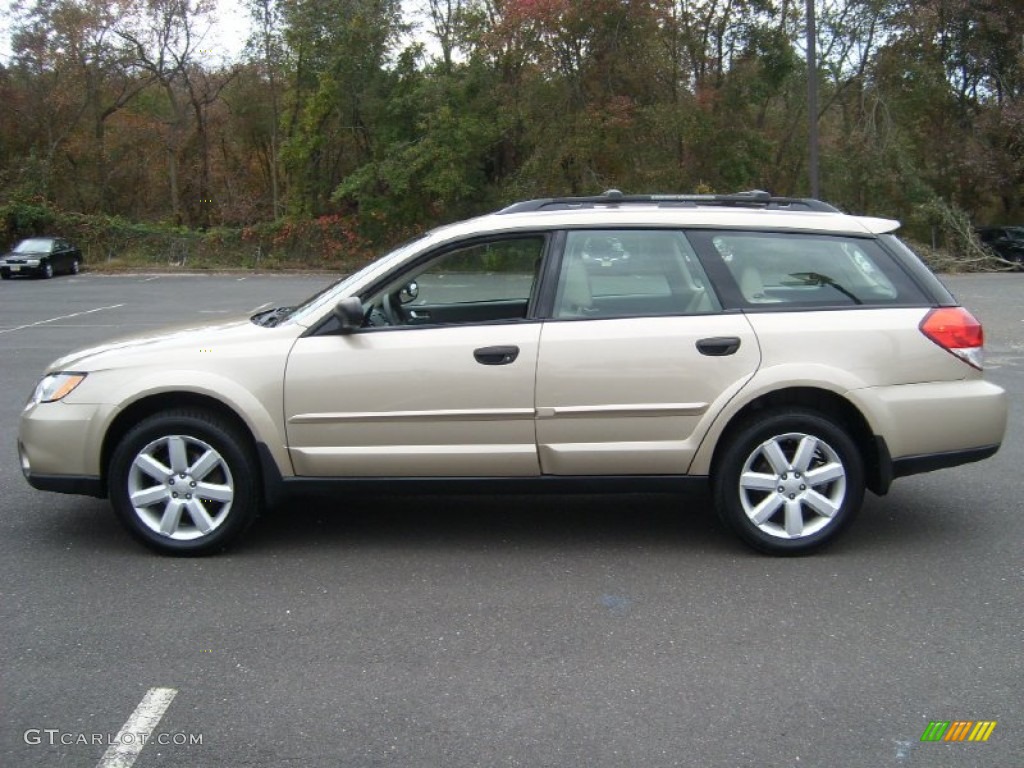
point(341, 129)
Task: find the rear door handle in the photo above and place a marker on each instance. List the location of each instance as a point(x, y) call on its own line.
point(719, 346)
point(496, 355)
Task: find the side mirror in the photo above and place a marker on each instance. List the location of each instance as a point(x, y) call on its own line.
point(349, 312)
point(409, 292)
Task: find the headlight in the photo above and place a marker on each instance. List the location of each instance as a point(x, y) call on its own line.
point(56, 386)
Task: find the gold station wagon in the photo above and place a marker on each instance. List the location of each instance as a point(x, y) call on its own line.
point(785, 353)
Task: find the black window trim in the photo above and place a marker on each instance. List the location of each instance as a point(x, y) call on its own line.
point(721, 281)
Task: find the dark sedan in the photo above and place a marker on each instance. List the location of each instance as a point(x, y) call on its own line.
point(1007, 242)
point(42, 256)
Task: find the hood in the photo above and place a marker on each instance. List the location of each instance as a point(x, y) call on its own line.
point(24, 254)
point(189, 338)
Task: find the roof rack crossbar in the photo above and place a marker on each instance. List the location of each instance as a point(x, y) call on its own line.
point(752, 199)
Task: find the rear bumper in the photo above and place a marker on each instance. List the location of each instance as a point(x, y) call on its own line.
point(885, 469)
point(929, 426)
point(934, 418)
point(915, 465)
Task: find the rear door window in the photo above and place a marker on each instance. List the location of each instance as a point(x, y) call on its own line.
point(630, 273)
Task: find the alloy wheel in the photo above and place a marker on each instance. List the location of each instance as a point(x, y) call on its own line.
point(792, 485)
point(180, 487)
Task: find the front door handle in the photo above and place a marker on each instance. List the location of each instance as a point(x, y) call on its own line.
point(496, 355)
point(719, 346)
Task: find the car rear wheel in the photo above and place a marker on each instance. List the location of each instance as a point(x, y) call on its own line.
point(185, 482)
point(74, 267)
point(789, 481)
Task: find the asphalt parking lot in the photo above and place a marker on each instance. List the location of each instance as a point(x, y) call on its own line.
point(508, 631)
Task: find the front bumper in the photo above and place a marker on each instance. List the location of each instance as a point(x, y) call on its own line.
point(82, 485)
point(59, 446)
point(21, 268)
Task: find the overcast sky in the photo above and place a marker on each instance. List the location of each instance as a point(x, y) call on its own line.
point(226, 39)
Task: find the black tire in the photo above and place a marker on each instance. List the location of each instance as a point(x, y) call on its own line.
point(5, 275)
point(46, 269)
point(74, 267)
point(179, 502)
point(790, 517)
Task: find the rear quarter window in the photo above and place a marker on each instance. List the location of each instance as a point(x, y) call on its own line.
point(791, 270)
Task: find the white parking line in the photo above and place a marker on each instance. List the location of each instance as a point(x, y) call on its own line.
point(157, 277)
point(62, 317)
point(139, 727)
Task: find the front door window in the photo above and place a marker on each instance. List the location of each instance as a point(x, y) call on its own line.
point(479, 283)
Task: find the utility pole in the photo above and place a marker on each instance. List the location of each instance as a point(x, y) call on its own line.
point(812, 100)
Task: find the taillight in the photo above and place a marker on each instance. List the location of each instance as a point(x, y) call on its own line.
point(956, 331)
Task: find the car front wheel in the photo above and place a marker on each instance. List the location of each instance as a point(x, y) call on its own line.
point(185, 482)
point(789, 481)
point(47, 270)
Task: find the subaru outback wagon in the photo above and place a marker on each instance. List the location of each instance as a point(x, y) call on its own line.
point(786, 354)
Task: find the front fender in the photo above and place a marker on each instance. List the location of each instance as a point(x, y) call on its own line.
point(263, 415)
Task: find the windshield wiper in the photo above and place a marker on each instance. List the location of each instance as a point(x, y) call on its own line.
point(816, 278)
point(271, 317)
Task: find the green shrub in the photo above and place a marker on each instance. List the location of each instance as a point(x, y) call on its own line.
point(113, 243)
point(23, 219)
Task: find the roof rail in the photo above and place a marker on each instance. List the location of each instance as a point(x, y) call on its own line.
point(755, 198)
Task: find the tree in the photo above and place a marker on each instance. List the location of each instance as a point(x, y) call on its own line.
point(339, 50)
point(266, 49)
point(80, 72)
point(166, 40)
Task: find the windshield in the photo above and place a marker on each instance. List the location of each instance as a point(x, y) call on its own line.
point(33, 245)
point(329, 296)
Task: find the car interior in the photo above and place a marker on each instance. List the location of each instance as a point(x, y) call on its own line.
point(661, 277)
point(479, 283)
